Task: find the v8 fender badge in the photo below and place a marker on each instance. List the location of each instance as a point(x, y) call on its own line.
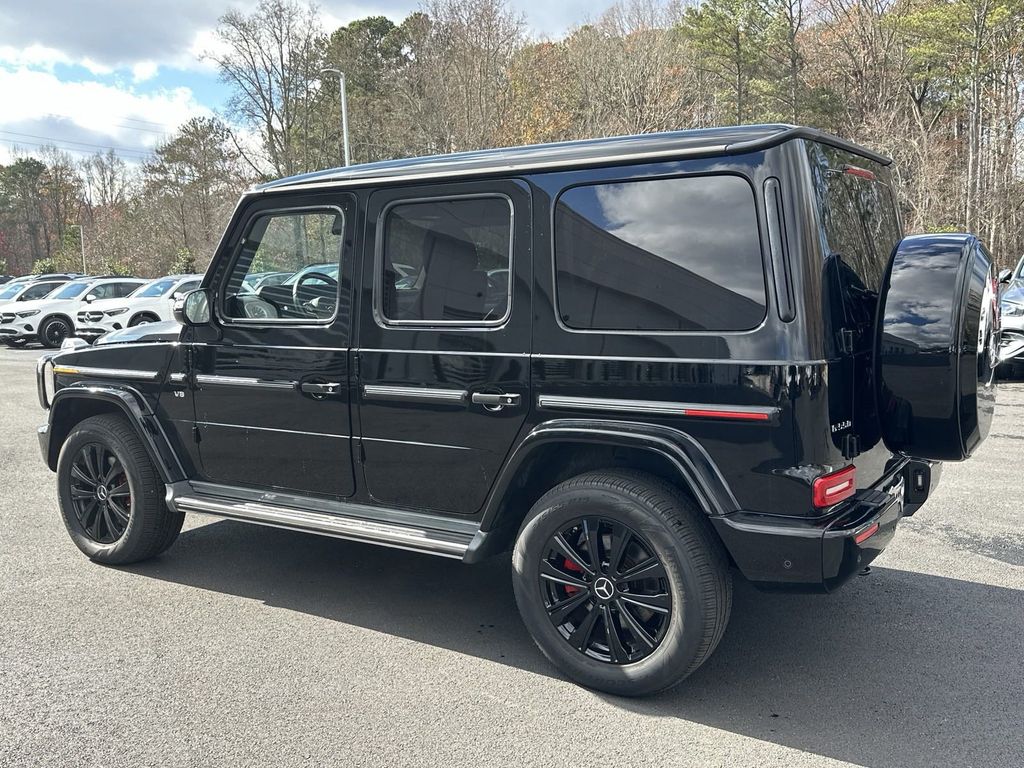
point(841, 425)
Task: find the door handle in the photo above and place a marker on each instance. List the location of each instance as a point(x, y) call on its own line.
point(320, 389)
point(496, 401)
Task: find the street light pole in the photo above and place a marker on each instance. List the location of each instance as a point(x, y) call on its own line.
point(344, 112)
point(81, 242)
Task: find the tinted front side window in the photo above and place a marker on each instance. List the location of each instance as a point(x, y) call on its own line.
point(38, 291)
point(659, 255)
point(446, 261)
point(306, 245)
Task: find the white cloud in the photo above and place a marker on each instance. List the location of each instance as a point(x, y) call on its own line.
point(144, 70)
point(86, 117)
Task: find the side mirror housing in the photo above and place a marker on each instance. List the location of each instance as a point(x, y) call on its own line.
point(194, 309)
point(1005, 275)
point(90, 298)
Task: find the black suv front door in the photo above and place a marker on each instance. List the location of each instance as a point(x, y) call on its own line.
point(444, 339)
point(271, 372)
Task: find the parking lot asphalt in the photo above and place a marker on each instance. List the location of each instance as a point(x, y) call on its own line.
point(254, 646)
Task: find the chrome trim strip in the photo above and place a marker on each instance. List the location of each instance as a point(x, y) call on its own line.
point(381, 392)
point(355, 529)
point(272, 429)
point(455, 352)
point(178, 378)
point(413, 442)
point(41, 380)
point(646, 406)
point(243, 381)
point(105, 373)
point(700, 361)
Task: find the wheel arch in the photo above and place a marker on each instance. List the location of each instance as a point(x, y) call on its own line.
point(146, 313)
point(559, 449)
point(73, 404)
point(53, 316)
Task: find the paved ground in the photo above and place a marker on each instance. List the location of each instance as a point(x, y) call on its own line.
point(254, 646)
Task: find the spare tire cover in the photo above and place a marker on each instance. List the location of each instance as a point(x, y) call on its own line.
point(937, 346)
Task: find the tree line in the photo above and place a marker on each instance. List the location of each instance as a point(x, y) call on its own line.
point(936, 84)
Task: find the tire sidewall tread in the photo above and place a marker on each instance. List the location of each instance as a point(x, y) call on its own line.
point(152, 527)
point(694, 559)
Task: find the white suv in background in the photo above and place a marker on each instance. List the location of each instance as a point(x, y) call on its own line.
point(28, 291)
point(50, 320)
point(151, 303)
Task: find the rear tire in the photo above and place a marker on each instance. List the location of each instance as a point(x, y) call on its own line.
point(111, 495)
point(690, 591)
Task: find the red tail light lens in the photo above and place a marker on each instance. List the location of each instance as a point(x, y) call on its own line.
point(833, 488)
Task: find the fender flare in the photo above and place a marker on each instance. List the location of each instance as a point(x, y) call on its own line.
point(133, 406)
point(153, 316)
point(695, 467)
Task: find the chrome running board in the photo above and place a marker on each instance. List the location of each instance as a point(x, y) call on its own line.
point(399, 529)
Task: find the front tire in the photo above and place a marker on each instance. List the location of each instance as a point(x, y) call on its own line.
point(111, 495)
point(622, 582)
point(53, 331)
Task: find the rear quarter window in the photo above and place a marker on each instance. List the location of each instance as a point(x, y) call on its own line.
point(679, 254)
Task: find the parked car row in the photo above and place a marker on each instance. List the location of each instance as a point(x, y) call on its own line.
point(50, 308)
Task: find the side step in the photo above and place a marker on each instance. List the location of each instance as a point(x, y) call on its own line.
point(357, 522)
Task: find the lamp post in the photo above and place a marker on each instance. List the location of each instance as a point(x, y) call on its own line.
point(344, 112)
point(81, 242)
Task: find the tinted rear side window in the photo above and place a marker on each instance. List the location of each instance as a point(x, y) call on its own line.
point(659, 255)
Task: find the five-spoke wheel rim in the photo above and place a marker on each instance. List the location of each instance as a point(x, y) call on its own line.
point(100, 493)
point(605, 590)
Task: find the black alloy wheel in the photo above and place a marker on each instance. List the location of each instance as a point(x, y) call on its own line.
point(605, 590)
point(54, 331)
point(100, 493)
point(621, 581)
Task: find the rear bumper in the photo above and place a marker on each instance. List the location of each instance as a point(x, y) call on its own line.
point(819, 555)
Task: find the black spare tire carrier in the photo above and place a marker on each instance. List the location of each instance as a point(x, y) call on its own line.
point(937, 347)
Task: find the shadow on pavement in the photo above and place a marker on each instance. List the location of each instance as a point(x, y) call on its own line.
point(898, 669)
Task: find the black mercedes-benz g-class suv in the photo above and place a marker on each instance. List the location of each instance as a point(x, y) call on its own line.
point(637, 363)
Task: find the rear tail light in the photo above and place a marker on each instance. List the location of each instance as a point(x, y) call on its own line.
point(833, 488)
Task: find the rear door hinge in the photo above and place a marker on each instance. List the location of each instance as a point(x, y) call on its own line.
point(195, 434)
point(851, 446)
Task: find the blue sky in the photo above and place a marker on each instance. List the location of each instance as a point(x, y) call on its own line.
point(123, 73)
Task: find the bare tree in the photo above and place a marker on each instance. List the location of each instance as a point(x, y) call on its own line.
point(270, 58)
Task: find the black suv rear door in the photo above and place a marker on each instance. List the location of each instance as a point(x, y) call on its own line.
point(444, 336)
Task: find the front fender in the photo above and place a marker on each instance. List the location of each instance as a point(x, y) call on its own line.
point(79, 400)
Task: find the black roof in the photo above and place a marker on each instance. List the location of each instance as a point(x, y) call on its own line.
point(535, 157)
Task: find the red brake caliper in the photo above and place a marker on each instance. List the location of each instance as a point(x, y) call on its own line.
point(571, 566)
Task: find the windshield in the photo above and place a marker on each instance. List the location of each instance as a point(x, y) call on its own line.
point(155, 288)
point(10, 290)
point(38, 291)
point(71, 291)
